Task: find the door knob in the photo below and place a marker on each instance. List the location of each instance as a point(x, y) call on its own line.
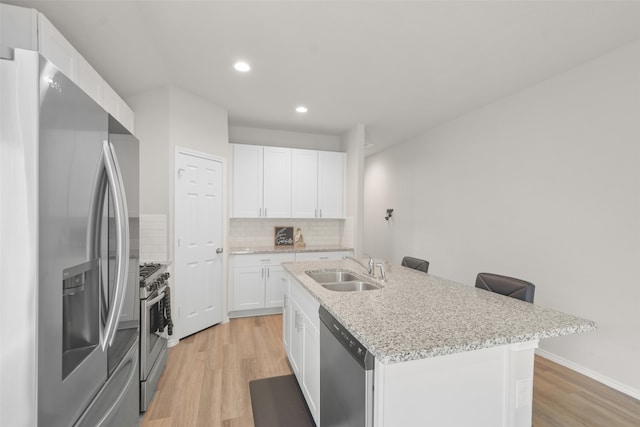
point(219, 250)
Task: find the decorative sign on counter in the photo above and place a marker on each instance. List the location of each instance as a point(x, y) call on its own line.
point(283, 236)
point(298, 241)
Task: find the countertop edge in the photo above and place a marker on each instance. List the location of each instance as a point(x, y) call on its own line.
point(285, 250)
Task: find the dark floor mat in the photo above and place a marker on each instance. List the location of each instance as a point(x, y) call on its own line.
point(278, 402)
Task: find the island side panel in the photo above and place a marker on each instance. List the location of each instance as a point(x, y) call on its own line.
point(489, 387)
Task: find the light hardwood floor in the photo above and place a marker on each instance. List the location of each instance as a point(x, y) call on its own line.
point(206, 382)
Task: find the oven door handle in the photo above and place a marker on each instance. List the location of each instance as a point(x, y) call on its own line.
point(148, 303)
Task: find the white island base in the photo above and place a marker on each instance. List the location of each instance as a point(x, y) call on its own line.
point(490, 387)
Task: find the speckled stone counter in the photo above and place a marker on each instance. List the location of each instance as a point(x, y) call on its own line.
point(286, 249)
point(416, 315)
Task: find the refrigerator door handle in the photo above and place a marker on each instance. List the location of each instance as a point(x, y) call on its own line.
point(114, 178)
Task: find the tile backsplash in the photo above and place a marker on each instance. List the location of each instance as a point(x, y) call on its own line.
point(260, 231)
point(153, 238)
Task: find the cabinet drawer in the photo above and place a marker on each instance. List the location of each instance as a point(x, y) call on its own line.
point(318, 256)
point(263, 259)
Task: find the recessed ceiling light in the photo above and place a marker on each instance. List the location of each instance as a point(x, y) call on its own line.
point(301, 109)
point(242, 66)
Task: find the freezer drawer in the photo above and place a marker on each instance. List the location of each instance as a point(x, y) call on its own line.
point(117, 402)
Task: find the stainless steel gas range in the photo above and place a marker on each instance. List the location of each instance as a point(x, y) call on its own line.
point(155, 327)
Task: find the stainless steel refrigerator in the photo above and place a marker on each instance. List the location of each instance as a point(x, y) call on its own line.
point(68, 216)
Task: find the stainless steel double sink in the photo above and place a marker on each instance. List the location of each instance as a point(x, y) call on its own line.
point(341, 281)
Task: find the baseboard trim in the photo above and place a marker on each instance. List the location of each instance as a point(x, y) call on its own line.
point(616, 385)
point(256, 312)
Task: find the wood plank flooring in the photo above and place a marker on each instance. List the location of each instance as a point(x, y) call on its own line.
point(206, 383)
point(206, 380)
point(565, 398)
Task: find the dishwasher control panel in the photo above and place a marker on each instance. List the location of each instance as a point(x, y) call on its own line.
point(348, 341)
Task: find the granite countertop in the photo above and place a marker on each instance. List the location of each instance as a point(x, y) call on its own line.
point(417, 315)
point(286, 249)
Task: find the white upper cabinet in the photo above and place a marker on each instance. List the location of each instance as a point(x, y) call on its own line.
point(90, 81)
point(27, 29)
point(247, 181)
point(304, 183)
point(331, 182)
point(318, 181)
point(57, 49)
point(277, 182)
point(117, 107)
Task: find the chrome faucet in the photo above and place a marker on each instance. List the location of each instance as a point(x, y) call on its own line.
point(383, 275)
point(370, 267)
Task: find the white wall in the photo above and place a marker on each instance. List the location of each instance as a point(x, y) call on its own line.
point(543, 185)
point(152, 114)
point(280, 138)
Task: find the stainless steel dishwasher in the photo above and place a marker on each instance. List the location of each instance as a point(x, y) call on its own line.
point(346, 376)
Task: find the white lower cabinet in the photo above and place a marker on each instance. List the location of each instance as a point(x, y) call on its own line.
point(259, 281)
point(301, 337)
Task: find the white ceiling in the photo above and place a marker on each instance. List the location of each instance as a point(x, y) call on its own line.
point(398, 67)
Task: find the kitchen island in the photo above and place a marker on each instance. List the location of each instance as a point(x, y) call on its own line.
point(445, 353)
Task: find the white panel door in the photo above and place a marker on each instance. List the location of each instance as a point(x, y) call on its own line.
point(304, 183)
point(198, 253)
point(277, 182)
point(331, 182)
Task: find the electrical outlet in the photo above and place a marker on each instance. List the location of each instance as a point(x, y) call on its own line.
point(524, 393)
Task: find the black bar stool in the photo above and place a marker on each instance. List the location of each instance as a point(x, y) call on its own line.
point(508, 286)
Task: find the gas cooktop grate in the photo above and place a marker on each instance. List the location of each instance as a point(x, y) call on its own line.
point(148, 269)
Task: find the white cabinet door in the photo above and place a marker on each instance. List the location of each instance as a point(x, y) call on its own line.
point(311, 367)
point(259, 281)
point(57, 49)
point(247, 181)
point(286, 322)
point(296, 343)
point(276, 281)
point(89, 80)
point(248, 285)
point(331, 183)
point(303, 343)
point(277, 182)
point(18, 27)
point(126, 115)
point(304, 183)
